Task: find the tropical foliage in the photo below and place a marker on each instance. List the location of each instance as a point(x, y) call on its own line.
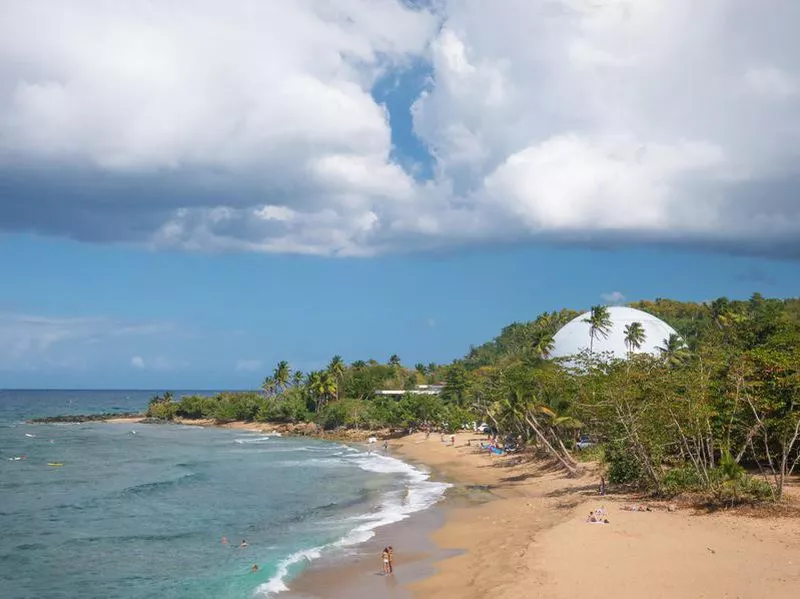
point(716, 412)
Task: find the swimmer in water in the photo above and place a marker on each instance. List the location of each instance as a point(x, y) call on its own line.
point(224, 541)
point(243, 544)
point(254, 568)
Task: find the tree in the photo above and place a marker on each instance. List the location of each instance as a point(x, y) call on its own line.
point(281, 375)
point(268, 385)
point(544, 344)
point(420, 367)
point(634, 336)
point(674, 350)
point(599, 324)
point(394, 360)
point(322, 386)
point(297, 378)
point(336, 369)
point(456, 385)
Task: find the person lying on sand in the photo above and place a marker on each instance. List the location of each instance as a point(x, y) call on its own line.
point(636, 508)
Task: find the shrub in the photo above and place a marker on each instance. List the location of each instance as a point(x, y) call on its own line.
point(622, 465)
point(286, 407)
point(195, 406)
point(680, 480)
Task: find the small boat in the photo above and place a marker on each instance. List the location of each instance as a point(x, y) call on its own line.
point(55, 464)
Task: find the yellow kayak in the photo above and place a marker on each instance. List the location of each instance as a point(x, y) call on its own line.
point(55, 464)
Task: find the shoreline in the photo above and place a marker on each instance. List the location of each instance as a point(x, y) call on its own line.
point(531, 538)
point(528, 536)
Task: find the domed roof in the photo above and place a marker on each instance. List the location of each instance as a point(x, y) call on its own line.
point(574, 336)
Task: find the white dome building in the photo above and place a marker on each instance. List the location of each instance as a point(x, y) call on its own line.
point(574, 336)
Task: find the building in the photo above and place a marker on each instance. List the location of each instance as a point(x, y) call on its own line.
point(418, 389)
point(573, 337)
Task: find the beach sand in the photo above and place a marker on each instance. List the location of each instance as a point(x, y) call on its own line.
point(512, 527)
point(534, 541)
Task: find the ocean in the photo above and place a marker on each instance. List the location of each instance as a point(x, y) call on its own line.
point(133, 511)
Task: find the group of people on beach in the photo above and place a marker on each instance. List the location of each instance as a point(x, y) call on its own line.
point(597, 516)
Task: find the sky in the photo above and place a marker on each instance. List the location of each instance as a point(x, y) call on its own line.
point(191, 192)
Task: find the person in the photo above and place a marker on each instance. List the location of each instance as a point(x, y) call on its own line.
point(254, 568)
point(602, 485)
point(385, 557)
point(243, 544)
point(453, 440)
point(385, 446)
point(391, 559)
point(224, 540)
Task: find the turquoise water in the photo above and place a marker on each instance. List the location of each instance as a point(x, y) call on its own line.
point(140, 511)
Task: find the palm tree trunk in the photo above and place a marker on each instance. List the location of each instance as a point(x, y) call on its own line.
point(532, 422)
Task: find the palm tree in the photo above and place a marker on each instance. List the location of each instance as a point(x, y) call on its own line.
point(358, 364)
point(394, 360)
point(544, 345)
point(431, 367)
point(420, 367)
point(599, 324)
point(322, 385)
point(336, 369)
point(297, 378)
point(281, 375)
point(634, 336)
point(674, 350)
point(268, 385)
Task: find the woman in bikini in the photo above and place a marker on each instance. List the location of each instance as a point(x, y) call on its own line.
point(385, 557)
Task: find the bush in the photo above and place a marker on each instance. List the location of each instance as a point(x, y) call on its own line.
point(333, 415)
point(236, 406)
point(164, 410)
point(195, 406)
point(622, 465)
point(286, 407)
point(680, 480)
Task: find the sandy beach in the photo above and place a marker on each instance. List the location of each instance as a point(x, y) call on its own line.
point(512, 527)
point(533, 540)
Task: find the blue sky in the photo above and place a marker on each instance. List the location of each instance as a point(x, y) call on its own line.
point(186, 199)
point(210, 321)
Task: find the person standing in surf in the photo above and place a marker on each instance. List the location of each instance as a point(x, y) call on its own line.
point(391, 559)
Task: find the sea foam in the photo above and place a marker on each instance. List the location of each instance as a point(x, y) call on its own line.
point(419, 493)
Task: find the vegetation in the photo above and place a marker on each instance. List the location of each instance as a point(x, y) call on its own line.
point(717, 412)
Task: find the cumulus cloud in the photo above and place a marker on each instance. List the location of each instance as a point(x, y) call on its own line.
point(614, 297)
point(137, 362)
point(251, 126)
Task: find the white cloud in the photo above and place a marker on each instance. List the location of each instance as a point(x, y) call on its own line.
point(250, 126)
point(249, 365)
point(137, 362)
point(34, 342)
point(614, 297)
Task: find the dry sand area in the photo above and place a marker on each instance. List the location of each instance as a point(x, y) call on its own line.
point(533, 539)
